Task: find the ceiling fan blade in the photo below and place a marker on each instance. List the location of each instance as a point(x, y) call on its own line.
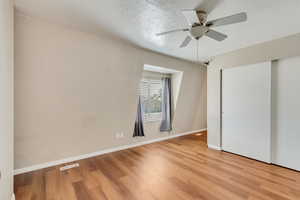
point(191, 16)
point(172, 31)
point(216, 35)
point(241, 17)
point(186, 41)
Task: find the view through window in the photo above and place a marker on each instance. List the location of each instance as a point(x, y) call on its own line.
point(151, 97)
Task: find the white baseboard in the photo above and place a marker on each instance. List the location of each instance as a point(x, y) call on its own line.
point(105, 151)
point(13, 197)
point(214, 147)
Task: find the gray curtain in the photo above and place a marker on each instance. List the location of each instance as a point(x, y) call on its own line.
point(138, 125)
point(166, 123)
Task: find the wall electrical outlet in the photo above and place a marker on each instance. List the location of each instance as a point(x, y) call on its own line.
point(119, 135)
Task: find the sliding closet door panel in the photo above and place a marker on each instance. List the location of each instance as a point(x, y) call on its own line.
point(246, 111)
point(286, 113)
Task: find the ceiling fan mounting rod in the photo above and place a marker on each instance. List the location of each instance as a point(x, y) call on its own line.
point(202, 16)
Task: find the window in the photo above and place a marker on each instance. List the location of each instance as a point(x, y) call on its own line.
point(151, 97)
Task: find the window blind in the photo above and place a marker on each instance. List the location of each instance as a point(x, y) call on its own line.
point(151, 94)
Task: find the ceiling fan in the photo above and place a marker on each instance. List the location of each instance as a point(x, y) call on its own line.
point(199, 26)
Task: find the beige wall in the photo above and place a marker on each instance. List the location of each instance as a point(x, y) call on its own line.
point(280, 48)
point(75, 90)
point(6, 99)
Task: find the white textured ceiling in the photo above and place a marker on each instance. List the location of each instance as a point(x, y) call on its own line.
point(139, 20)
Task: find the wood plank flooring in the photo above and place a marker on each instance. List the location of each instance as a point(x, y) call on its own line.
point(181, 168)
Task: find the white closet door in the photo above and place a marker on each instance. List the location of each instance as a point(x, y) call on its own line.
point(286, 113)
point(246, 107)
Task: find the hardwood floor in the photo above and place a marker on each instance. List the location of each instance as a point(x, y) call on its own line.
point(181, 168)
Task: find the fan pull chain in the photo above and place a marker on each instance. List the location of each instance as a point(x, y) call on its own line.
point(197, 56)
